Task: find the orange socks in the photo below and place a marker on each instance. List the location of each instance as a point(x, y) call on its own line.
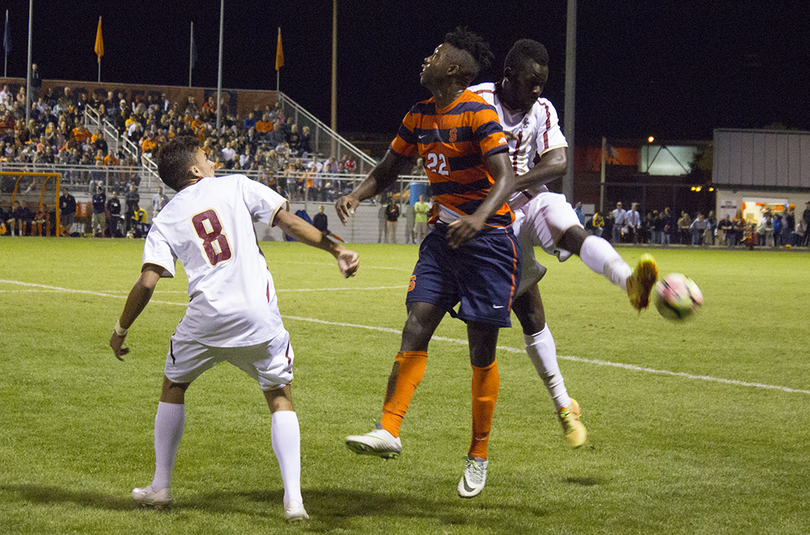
point(485, 384)
point(409, 368)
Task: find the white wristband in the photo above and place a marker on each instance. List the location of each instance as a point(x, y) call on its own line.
point(119, 330)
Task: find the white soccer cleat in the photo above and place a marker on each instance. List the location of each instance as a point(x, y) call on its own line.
point(295, 512)
point(378, 442)
point(474, 478)
point(149, 498)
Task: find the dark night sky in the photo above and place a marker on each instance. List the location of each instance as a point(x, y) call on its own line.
point(675, 69)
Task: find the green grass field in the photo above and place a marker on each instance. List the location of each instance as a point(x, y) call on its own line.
point(695, 428)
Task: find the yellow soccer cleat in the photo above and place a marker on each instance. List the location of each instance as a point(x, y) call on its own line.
point(641, 282)
point(575, 433)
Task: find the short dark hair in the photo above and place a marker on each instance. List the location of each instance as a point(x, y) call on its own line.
point(175, 158)
point(473, 44)
point(526, 49)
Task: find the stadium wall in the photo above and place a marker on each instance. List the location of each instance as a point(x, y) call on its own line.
point(362, 227)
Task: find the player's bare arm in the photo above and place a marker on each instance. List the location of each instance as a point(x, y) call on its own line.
point(552, 165)
point(377, 181)
point(292, 225)
point(138, 298)
point(465, 227)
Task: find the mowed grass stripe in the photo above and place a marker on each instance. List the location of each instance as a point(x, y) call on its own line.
point(630, 367)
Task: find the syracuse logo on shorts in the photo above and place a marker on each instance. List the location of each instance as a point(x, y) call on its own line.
point(412, 283)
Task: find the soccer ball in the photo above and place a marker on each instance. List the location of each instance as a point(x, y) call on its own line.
point(677, 297)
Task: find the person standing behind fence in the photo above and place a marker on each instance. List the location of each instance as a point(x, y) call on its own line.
point(634, 223)
point(159, 200)
point(132, 199)
point(422, 210)
point(619, 220)
point(67, 211)
point(114, 208)
point(391, 217)
point(684, 224)
point(99, 211)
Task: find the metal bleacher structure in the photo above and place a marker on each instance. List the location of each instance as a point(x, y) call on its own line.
point(364, 227)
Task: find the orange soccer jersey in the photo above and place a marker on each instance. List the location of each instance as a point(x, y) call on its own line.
point(455, 142)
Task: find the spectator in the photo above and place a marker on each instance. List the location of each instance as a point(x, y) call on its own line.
point(139, 227)
point(788, 225)
point(410, 223)
point(250, 121)
point(801, 232)
point(580, 213)
point(765, 230)
point(421, 211)
point(42, 221)
point(598, 224)
point(36, 82)
point(806, 219)
point(264, 127)
point(67, 211)
point(648, 226)
point(777, 229)
point(633, 223)
point(159, 200)
point(659, 222)
point(17, 218)
point(99, 212)
point(99, 142)
point(306, 143)
point(6, 96)
point(294, 141)
point(381, 217)
point(114, 208)
point(698, 227)
point(321, 222)
point(725, 231)
point(131, 200)
point(738, 229)
point(619, 221)
point(711, 227)
point(391, 217)
point(684, 228)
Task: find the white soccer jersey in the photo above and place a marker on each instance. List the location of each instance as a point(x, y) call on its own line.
point(208, 226)
point(530, 134)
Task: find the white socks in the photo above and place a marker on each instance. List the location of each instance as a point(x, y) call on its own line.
point(286, 438)
point(169, 423)
point(602, 258)
point(543, 352)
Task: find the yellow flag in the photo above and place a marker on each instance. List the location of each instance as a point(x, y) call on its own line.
point(279, 52)
point(99, 42)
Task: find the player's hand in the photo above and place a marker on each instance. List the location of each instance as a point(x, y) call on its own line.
point(348, 262)
point(345, 207)
point(115, 343)
point(463, 229)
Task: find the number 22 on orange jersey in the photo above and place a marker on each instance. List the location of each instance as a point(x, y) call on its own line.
point(437, 162)
point(214, 242)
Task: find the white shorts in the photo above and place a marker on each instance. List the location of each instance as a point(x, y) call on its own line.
point(269, 363)
point(541, 223)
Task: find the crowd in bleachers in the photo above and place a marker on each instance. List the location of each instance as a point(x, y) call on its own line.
point(265, 144)
point(782, 228)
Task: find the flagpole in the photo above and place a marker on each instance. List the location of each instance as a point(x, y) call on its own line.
point(570, 89)
point(28, 71)
point(99, 58)
point(278, 71)
point(219, 76)
point(191, 54)
point(5, 69)
point(602, 170)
